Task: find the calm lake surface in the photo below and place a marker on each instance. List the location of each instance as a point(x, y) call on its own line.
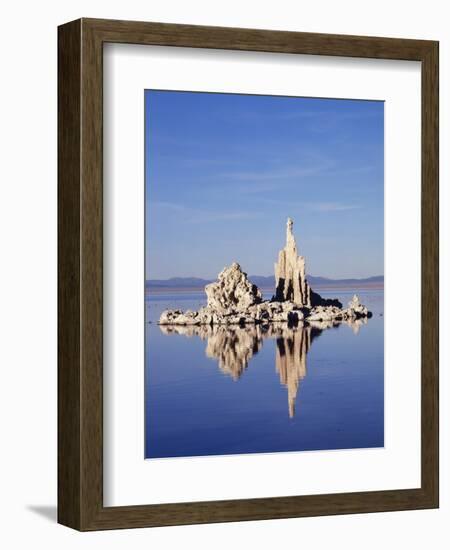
point(227, 390)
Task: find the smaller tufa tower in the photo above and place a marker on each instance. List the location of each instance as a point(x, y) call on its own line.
point(290, 275)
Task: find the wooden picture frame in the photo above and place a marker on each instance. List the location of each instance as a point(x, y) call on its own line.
point(80, 272)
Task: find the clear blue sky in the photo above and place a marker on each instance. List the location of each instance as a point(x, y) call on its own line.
point(224, 171)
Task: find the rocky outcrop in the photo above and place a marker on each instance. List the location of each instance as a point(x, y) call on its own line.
point(232, 292)
point(325, 313)
point(317, 300)
point(290, 273)
point(356, 310)
point(260, 313)
point(234, 300)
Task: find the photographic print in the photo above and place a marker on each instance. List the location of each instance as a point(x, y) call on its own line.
point(264, 274)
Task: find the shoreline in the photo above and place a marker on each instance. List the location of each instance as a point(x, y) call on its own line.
point(181, 290)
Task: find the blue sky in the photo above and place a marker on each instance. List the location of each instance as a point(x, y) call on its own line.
point(224, 171)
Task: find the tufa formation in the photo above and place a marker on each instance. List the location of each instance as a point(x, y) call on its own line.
point(233, 299)
point(290, 273)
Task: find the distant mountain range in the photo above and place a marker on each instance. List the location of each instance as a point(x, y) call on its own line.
point(263, 282)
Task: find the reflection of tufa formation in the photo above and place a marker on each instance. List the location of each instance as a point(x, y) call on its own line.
point(234, 300)
point(290, 361)
point(234, 346)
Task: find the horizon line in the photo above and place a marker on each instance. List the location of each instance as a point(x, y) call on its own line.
point(265, 276)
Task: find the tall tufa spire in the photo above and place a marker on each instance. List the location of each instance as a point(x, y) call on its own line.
point(290, 239)
point(290, 276)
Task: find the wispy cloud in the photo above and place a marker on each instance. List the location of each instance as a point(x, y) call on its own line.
point(312, 206)
point(273, 174)
point(196, 215)
point(170, 206)
point(358, 169)
point(207, 217)
point(330, 116)
point(330, 206)
point(316, 115)
point(211, 162)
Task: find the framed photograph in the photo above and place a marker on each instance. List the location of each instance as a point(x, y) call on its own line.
point(248, 274)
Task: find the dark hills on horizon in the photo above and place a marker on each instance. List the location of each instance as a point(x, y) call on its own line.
point(262, 282)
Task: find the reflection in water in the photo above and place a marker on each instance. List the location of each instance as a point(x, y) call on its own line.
point(290, 359)
point(356, 324)
point(233, 346)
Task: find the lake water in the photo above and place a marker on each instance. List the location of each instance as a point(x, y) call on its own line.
point(228, 390)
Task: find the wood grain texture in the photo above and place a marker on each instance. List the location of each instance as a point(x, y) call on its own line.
point(80, 295)
point(69, 246)
point(430, 272)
